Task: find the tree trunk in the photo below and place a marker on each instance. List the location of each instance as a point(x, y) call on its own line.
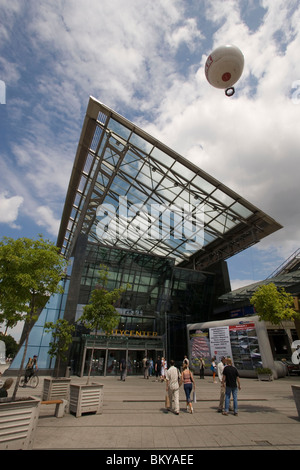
point(25, 348)
point(92, 357)
point(21, 367)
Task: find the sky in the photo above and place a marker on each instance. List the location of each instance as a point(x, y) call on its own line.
point(145, 59)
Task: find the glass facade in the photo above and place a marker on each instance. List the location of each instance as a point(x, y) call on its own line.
point(130, 191)
point(158, 301)
point(39, 339)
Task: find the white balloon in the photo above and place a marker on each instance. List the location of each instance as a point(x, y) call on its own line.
point(224, 66)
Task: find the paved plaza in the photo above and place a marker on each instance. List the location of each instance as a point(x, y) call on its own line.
point(134, 418)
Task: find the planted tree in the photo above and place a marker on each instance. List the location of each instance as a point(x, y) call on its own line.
point(9, 316)
point(100, 313)
point(10, 344)
point(62, 334)
point(273, 304)
point(30, 272)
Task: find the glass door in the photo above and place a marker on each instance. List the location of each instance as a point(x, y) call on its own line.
point(113, 361)
point(135, 362)
point(98, 362)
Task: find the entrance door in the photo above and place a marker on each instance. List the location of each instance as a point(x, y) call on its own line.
point(152, 355)
point(113, 361)
point(98, 362)
point(135, 362)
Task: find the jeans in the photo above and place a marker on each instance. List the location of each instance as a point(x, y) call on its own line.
point(188, 388)
point(228, 392)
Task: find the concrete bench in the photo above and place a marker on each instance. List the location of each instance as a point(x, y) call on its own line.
point(60, 406)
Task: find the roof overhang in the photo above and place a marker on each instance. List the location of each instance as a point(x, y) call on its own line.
point(128, 190)
point(289, 281)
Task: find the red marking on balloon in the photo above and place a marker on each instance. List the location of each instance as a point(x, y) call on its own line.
point(226, 76)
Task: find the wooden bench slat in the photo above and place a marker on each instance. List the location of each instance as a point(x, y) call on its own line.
point(51, 402)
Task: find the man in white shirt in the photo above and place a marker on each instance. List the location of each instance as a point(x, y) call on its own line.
point(172, 386)
point(220, 369)
point(186, 361)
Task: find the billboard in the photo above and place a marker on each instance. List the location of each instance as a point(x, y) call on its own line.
point(237, 340)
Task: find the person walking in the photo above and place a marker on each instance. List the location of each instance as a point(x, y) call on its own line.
point(188, 384)
point(185, 361)
point(201, 366)
point(213, 368)
point(220, 369)
point(172, 386)
point(157, 368)
point(231, 380)
point(163, 369)
point(146, 367)
point(123, 369)
point(151, 367)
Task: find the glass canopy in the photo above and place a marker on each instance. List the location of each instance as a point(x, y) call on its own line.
point(130, 191)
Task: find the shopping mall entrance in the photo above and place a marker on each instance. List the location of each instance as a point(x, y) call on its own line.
point(107, 361)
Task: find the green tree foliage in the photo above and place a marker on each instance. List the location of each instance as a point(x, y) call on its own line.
point(100, 314)
point(62, 332)
point(30, 272)
point(10, 344)
point(272, 304)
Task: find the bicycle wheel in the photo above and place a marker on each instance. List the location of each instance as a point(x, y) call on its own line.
point(34, 381)
point(22, 381)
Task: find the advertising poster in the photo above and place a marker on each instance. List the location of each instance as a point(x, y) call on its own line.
point(237, 341)
point(244, 345)
point(200, 347)
point(220, 342)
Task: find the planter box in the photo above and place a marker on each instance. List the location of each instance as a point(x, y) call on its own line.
point(18, 422)
point(296, 393)
point(55, 389)
point(266, 377)
point(86, 399)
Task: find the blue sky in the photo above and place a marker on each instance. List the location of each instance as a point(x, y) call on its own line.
point(145, 59)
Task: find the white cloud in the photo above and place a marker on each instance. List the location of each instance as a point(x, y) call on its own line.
point(249, 142)
point(9, 209)
point(188, 33)
point(45, 218)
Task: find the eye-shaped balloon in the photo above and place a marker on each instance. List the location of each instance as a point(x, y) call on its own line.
point(224, 67)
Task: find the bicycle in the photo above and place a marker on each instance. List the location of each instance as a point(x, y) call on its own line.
point(33, 381)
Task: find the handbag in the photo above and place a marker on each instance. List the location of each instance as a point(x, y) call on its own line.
point(194, 397)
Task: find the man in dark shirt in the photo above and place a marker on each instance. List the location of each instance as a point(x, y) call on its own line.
point(157, 368)
point(232, 381)
point(123, 369)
